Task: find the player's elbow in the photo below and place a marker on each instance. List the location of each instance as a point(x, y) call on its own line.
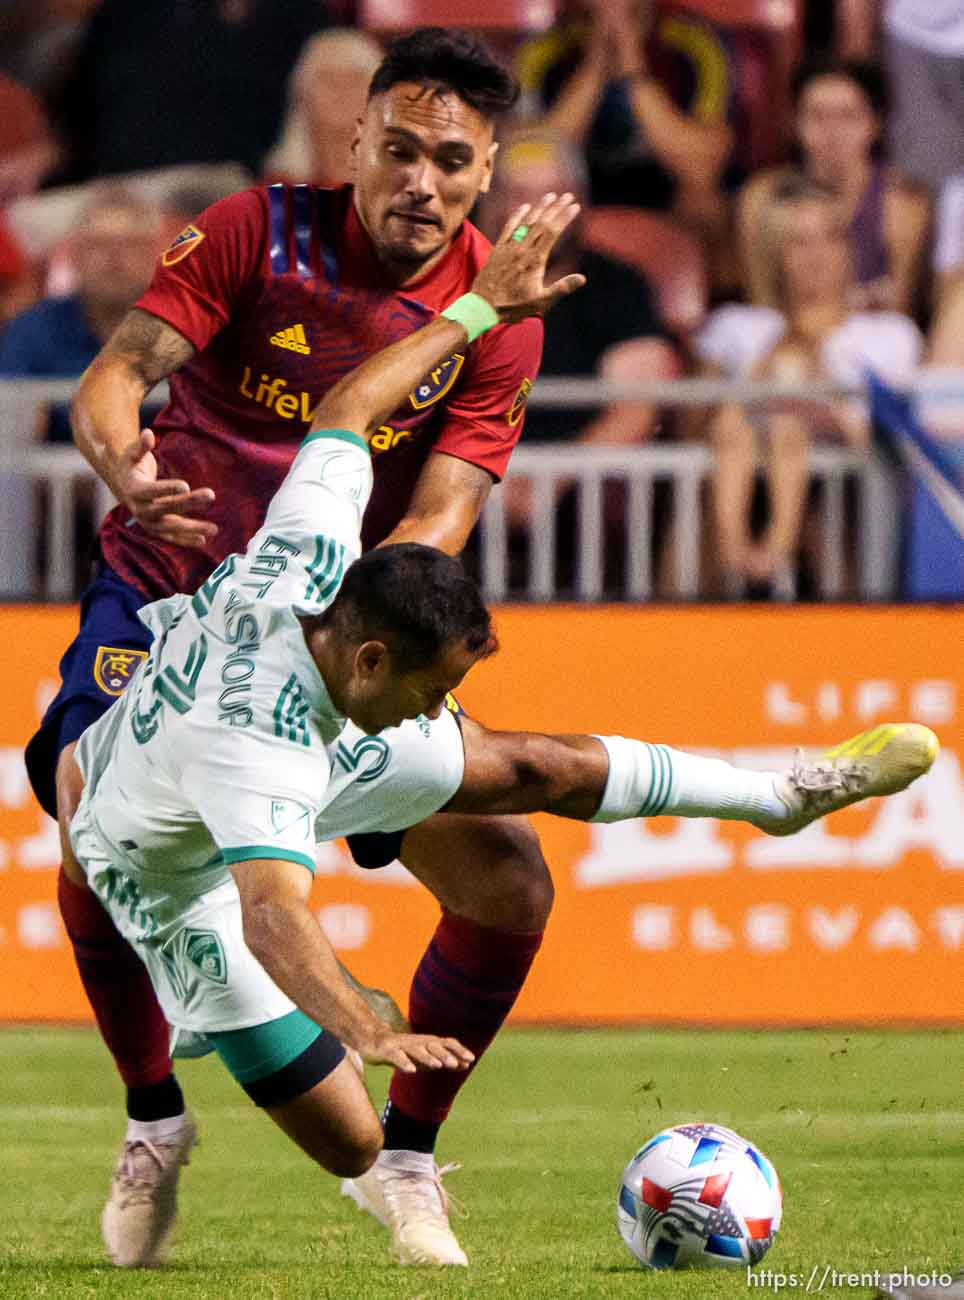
point(341, 413)
point(261, 922)
point(353, 404)
point(81, 407)
point(106, 386)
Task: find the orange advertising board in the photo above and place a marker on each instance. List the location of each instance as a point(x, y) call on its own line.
point(860, 919)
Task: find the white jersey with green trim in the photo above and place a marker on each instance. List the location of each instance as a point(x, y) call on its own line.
point(222, 747)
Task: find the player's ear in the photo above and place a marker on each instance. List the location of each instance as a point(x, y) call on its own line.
point(486, 181)
point(355, 146)
point(371, 659)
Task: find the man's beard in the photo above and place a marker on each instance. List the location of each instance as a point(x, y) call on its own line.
point(407, 256)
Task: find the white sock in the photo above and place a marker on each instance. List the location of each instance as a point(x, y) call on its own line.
point(415, 1161)
point(650, 780)
point(154, 1130)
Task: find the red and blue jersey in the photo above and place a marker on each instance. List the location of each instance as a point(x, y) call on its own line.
point(279, 290)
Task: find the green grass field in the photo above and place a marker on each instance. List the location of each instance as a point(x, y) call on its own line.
point(866, 1130)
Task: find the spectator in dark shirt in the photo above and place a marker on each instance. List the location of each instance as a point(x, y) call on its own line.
point(157, 83)
point(113, 251)
point(648, 142)
point(611, 329)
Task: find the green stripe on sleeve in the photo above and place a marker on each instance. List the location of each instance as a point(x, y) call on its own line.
point(328, 585)
point(269, 853)
point(341, 435)
point(320, 567)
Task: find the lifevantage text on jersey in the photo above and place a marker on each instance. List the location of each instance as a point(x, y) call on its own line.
point(271, 392)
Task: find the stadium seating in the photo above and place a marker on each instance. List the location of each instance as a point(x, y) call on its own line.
point(669, 257)
point(506, 15)
point(772, 15)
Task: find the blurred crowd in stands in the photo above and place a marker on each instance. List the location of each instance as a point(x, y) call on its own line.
point(772, 188)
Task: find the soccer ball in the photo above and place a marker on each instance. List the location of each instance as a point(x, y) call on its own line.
point(698, 1194)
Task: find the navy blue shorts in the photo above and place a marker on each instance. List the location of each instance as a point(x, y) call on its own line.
point(96, 668)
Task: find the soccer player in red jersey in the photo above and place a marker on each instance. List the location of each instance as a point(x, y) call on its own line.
point(256, 309)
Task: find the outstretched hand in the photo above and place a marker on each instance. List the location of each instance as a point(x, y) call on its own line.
point(161, 506)
point(513, 279)
point(411, 1052)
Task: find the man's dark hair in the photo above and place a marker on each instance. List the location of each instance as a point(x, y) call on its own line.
point(415, 599)
point(454, 59)
point(868, 77)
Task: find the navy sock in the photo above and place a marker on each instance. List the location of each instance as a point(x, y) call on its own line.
point(161, 1100)
point(402, 1133)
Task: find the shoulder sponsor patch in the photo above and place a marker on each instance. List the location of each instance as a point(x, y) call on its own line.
point(185, 243)
point(437, 382)
point(114, 667)
point(514, 414)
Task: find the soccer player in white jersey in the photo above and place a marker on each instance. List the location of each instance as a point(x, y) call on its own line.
point(299, 694)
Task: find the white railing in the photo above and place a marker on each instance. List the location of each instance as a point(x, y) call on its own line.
point(51, 484)
point(684, 469)
point(42, 488)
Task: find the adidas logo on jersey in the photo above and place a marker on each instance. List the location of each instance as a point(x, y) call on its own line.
point(293, 339)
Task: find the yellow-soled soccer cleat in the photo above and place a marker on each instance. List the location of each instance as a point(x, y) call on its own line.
point(880, 761)
point(403, 1191)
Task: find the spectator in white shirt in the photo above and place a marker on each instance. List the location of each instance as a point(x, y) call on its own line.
point(839, 113)
point(813, 335)
point(944, 416)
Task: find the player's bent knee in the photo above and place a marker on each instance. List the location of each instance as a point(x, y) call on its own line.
point(539, 893)
point(526, 883)
point(489, 869)
point(356, 1159)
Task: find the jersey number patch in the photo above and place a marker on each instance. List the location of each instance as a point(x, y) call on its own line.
point(349, 760)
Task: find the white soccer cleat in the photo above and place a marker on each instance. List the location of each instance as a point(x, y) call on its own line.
point(142, 1204)
point(880, 761)
point(403, 1191)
